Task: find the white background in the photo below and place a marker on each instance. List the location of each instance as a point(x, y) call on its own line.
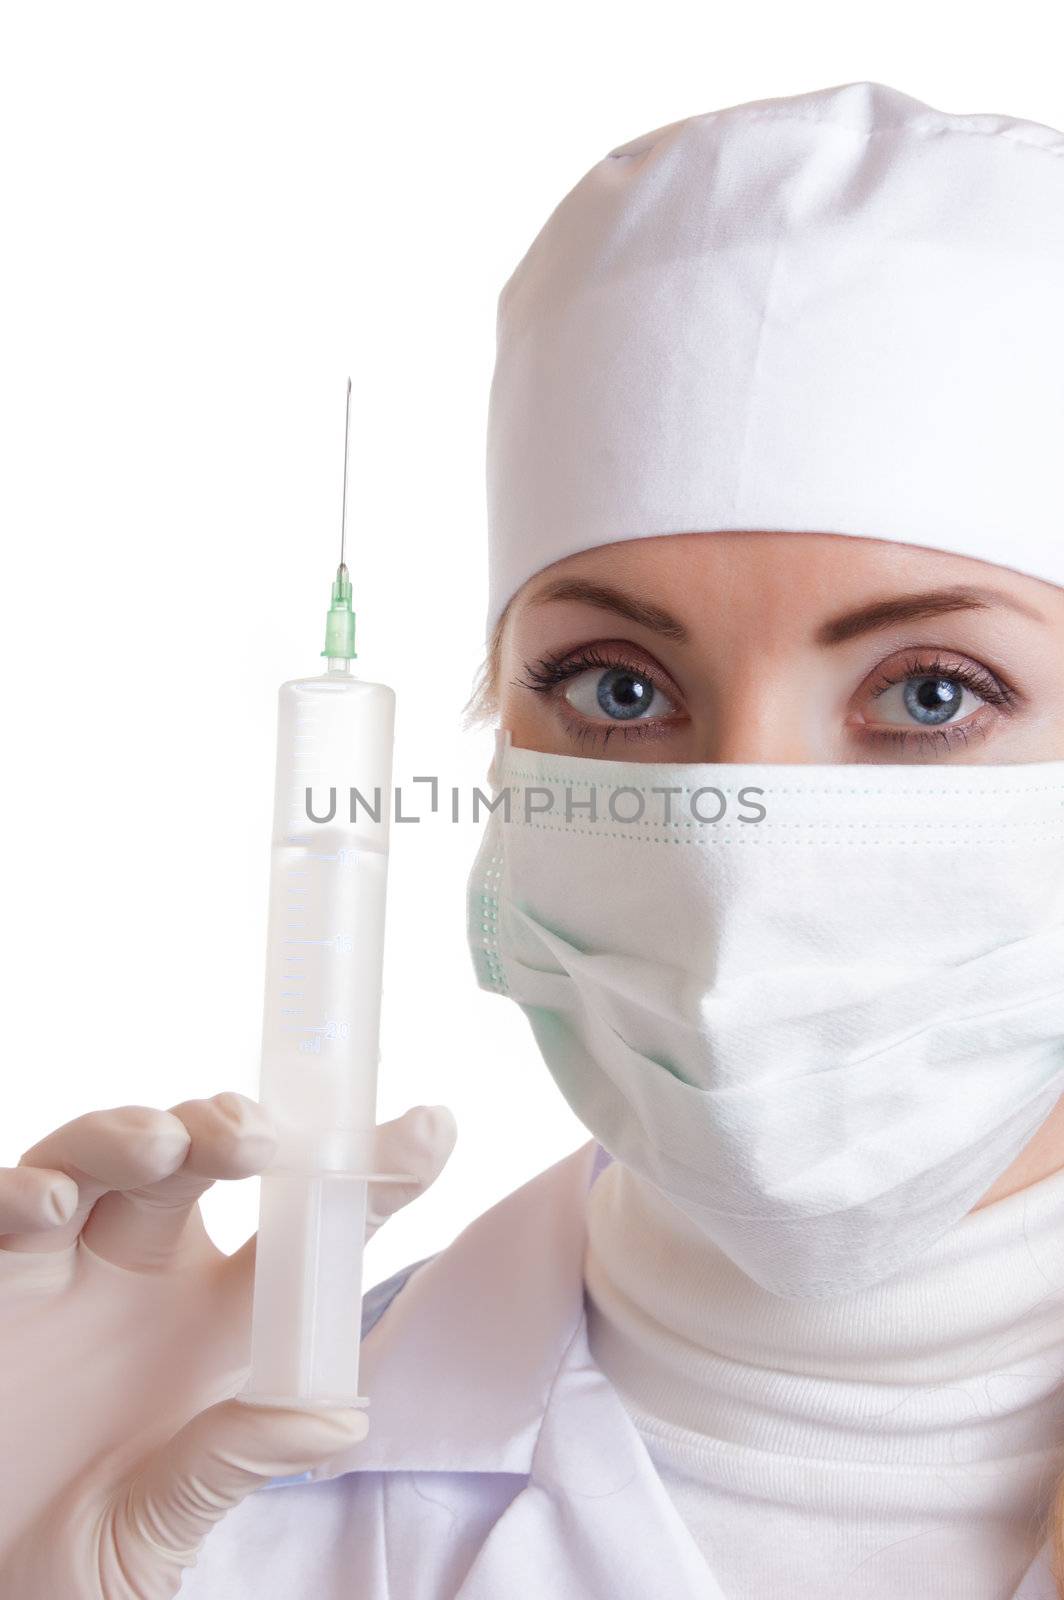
point(211, 214)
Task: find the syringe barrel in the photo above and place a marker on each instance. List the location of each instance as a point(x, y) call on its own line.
point(320, 1044)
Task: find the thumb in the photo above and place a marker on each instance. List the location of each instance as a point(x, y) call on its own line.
point(212, 1463)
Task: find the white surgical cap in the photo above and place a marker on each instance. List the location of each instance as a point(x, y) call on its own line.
point(838, 312)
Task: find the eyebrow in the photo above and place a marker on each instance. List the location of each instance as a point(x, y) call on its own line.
point(878, 614)
point(607, 598)
point(907, 607)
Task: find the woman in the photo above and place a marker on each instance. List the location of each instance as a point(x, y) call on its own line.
point(774, 867)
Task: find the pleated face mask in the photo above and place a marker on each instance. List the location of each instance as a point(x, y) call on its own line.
point(820, 1007)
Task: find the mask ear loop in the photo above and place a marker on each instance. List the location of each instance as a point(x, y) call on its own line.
point(502, 749)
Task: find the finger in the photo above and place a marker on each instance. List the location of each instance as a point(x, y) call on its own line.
point(103, 1150)
point(217, 1459)
point(35, 1198)
point(420, 1143)
point(152, 1225)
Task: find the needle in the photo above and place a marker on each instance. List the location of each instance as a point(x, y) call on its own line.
point(340, 622)
point(347, 437)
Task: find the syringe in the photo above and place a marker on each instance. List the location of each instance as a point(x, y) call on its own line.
point(320, 1047)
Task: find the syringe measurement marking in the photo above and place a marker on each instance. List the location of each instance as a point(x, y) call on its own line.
point(329, 1030)
point(345, 858)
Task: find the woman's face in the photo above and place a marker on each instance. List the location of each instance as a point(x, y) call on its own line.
point(786, 647)
point(783, 647)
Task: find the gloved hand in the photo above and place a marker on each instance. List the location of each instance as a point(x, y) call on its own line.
point(124, 1330)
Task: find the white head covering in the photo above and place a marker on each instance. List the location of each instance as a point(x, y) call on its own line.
point(839, 312)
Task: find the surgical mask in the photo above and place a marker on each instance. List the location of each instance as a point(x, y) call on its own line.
point(820, 1007)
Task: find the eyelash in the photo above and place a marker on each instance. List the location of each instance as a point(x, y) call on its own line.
point(549, 672)
point(993, 690)
point(545, 675)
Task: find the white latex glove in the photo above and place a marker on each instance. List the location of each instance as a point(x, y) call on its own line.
point(124, 1330)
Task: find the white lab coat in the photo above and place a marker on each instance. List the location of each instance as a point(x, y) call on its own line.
point(500, 1462)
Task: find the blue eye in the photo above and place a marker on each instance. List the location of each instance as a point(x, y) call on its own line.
point(928, 700)
point(620, 693)
point(933, 699)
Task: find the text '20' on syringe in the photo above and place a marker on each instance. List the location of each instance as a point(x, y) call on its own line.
point(321, 1021)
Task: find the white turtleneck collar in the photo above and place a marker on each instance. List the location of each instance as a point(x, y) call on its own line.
point(911, 1411)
